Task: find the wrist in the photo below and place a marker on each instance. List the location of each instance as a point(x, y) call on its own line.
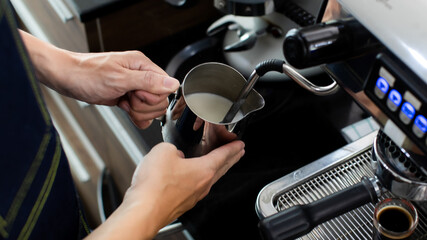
point(144, 211)
point(133, 219)
point(138, 219)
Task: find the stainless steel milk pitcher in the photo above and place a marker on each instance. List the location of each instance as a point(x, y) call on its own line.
point(201, 116)
point(194, 119)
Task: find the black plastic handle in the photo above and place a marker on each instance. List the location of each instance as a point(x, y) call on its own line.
point(300, 220)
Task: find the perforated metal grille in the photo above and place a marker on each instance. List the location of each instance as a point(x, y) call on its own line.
point(356, 224)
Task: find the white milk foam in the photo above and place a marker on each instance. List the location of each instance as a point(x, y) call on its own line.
point(210, 107)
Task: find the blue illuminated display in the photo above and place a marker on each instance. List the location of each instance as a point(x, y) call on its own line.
point(421, 123)
point(395, 97)
point(382, 84)
point(408, 110)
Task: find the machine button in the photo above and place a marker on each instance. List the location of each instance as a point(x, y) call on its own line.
point(394, 100)
point(420, 126)
point(407, 113)
point(387, 75)
point(381, 87)
point(409, 97)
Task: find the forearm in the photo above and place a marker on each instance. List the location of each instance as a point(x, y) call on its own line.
point(164, 186)
point(48, 61)
point(132, 220)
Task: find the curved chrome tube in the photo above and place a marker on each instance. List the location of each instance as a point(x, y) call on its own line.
point(279, 66)
point(303, 82)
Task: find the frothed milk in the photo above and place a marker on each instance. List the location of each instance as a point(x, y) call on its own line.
point(210, 107)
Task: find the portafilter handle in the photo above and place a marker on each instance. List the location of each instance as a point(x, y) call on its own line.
point(301, 219)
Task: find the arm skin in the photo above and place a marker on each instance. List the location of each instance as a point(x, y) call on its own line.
point(164, 186)
point(165, 183)
point(127, 79)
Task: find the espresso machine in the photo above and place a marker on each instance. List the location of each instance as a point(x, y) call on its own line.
point(375, 51)
point(254, 30)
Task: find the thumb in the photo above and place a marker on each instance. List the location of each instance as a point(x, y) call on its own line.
point(151, 82)
point(224, 157)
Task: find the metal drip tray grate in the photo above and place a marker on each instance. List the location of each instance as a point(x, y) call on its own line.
point(356, 224)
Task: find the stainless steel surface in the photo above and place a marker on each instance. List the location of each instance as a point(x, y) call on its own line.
point(376, 184)
point(176, 3)
point(293, 74)
point(196, 131)
point(241, 98)
point(247, 29)
point(303, 82)
point(269, 30)
point(323, 177)
point(265, 205)
point(223, 80)
point(325, 184)
point(411, 186)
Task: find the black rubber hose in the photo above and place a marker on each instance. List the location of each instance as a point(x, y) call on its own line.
point(268, 66)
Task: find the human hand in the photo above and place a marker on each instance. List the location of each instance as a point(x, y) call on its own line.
point(127, 79)
point(164, 186)
point(178, 183)
point(215, 135)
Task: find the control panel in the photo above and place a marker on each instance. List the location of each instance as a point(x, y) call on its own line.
point(400, 94)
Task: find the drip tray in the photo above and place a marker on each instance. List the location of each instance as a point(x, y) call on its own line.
point(332, 173)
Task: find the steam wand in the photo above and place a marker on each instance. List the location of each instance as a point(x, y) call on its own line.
point(278, 66)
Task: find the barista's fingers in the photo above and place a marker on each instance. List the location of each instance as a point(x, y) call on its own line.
point(150, 98)
point(197, 123)
point(124, 104)
point(181, 153)
point(142, 106)
point(223, 158)
point(138, 116)
point(232, 158)
point(142, 124)
point(152, 82)
point(141, 120)
point(222, 132)
point(178, 109)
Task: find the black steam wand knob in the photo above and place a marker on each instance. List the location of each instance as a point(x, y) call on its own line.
point(327, 42)
point(301, 219)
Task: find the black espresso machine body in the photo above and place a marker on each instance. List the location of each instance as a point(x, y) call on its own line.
point(376, 51)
